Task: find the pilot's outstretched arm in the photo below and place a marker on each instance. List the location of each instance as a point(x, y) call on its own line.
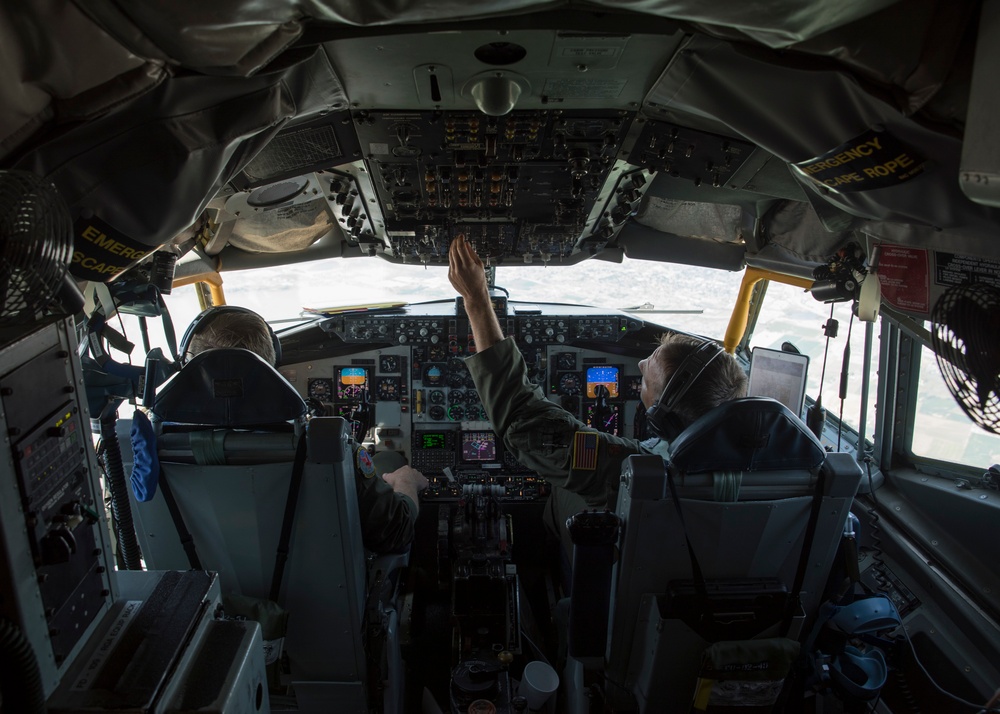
point(541, 434)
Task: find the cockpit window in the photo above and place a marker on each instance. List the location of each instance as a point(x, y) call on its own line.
point(941, 430)
point(682, 297)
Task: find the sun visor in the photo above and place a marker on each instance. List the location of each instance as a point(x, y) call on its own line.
point(192, 133)
point(820, 119)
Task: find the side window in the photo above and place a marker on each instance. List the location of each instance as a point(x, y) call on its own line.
point(941, 430)
point(789, 314)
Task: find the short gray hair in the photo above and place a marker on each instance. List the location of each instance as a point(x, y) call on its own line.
point(246, 330)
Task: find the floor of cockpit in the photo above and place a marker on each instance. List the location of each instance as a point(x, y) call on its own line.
point(429, 650)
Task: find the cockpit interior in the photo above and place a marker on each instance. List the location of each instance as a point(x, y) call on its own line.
point(811, 186)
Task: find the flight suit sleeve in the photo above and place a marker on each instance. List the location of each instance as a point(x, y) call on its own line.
point(540, 433)
point(387, 517)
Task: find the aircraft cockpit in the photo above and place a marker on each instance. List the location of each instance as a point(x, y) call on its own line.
point(804, 191)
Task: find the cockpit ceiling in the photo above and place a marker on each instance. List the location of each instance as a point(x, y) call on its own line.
point(548, 132)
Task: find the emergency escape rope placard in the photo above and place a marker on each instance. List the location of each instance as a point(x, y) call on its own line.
point(875, 159)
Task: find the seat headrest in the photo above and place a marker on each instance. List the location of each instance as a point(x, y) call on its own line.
point(751, 434)
point(228, 387)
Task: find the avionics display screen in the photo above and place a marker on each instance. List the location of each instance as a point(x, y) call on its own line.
point(479, 446)
point(351, 382)
point(431, 440)
point(604, 375)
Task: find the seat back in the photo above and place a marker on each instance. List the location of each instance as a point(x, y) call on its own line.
point(759, 536)
point(231, 496)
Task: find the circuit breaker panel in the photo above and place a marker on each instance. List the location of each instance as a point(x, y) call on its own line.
point(55, 567)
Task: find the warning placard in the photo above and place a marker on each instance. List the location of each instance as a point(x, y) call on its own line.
point(904, 276)
point(875, 159)
point(952, 269)
point(100, 252)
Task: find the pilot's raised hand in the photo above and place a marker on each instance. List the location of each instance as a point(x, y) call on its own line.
point(468, 277)
point(407, 481)
point(466, 271)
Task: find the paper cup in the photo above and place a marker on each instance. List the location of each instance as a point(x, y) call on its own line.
point(538, 683)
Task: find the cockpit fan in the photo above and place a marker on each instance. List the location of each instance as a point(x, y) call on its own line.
point(966, 338)
point(36, 244)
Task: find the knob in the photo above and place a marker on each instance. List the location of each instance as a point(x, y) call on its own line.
point(529, 339)
point(402, 339)
point(424, 332)
point(435, 339)
point(560, 338)
point(549, 332)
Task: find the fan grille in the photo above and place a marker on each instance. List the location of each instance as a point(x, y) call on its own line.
point(966, 340)
point(36, 244)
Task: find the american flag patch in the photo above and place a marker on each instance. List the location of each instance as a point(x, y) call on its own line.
point(585, 450)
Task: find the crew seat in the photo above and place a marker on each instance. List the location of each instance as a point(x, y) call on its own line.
point(229, 428)
point(748, 476)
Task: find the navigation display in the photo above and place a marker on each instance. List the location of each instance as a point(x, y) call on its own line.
point(604, 375)
point(479, 446)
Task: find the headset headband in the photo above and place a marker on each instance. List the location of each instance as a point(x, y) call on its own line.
point(210, 314)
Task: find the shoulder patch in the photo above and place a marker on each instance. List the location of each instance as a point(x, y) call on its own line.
point(585, 445)
point(364, 461)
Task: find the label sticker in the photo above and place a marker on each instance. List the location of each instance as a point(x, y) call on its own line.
point(952, 269)
point(904, 276)
point(875, 159)
point(365, 465)
point(90, 671)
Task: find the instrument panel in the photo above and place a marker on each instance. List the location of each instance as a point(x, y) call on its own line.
point(406, 370)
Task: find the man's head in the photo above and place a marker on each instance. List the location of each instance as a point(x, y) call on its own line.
point(722, 380)
point(233, 328)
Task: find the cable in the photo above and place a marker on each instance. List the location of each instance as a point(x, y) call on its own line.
point(21, 688)
point(980, 709)
point(873, 518)
point(826, 330)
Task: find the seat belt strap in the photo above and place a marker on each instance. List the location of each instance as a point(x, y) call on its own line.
point(187, 541)
point(795, 597)
point(288, 520)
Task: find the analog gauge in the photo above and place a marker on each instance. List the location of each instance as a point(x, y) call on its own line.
point(456, 396)
point(388, 389)
point(570, 384)
point(436, 412)
point(437, 353)
point(433, 375)
point(321, 389)
point(436, 396)
point(388, 364)
point(472, 397)
point(633, 387)
point(566, 361)
point(570, 404)
point(456, 412)
point(470, 383)
point(474, 412)
point(455, 379)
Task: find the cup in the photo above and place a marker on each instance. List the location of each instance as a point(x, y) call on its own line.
point(538, 683)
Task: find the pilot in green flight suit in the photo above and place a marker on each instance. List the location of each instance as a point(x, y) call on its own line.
point(583, 466)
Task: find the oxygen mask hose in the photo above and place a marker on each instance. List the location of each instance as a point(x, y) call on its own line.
point(121, 509)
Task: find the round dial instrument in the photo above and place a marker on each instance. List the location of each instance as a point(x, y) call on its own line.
point(388, 364)
point(437, 353)
point(436, 412)
point(456, 396)
point(321, 389)
point(456, 412)
point(388, 389)
point(570, 384)
point(436, 396)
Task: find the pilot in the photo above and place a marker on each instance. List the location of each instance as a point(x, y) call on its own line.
point(544, 437)
point(387, 487)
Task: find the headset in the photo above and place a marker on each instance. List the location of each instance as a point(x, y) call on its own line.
point(661, 417)
point(210, 314)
